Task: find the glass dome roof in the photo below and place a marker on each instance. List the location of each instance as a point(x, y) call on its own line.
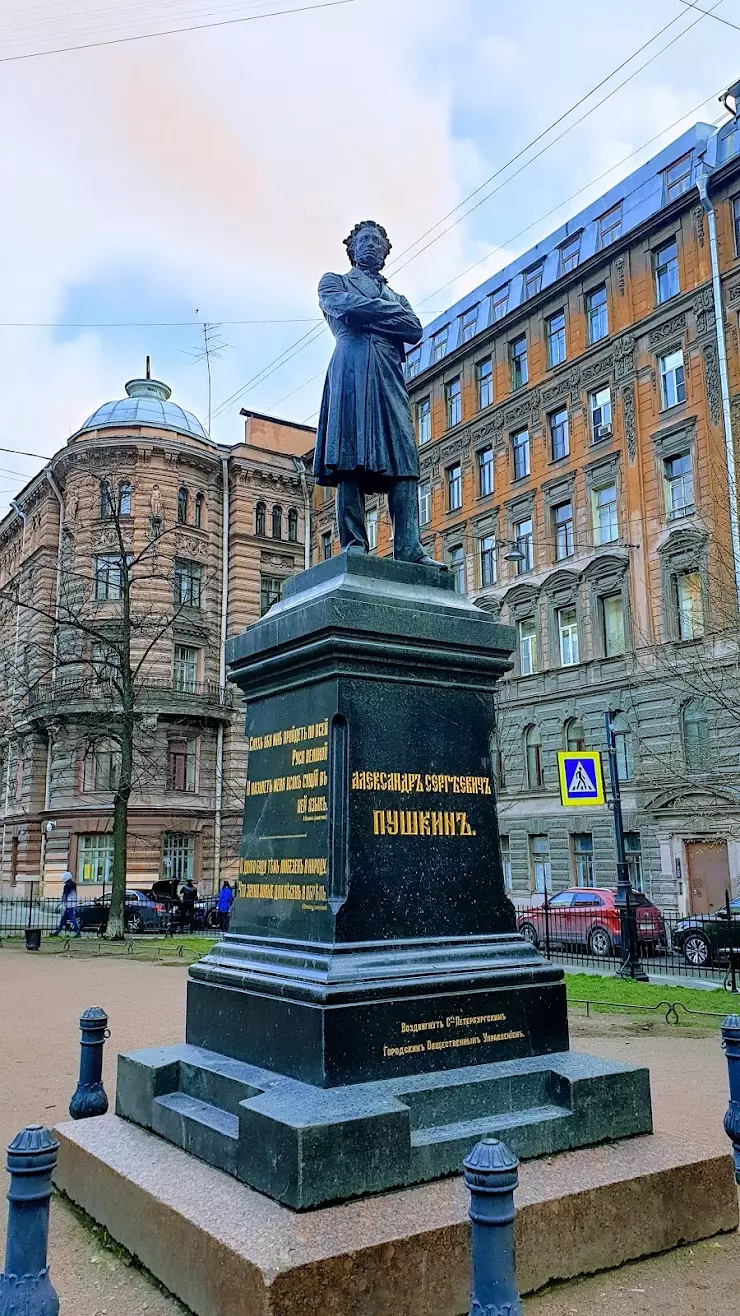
point(147, 403)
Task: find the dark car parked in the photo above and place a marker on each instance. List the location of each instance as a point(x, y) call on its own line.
point(705, 939)
point(141, 913)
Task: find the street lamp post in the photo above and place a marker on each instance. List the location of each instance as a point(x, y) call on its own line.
point(630, 966)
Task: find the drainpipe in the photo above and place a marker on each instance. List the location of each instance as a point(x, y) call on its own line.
point(719, 320)
point(300, 468)
point(60, 541)
point(16, 508)
point(221, 671)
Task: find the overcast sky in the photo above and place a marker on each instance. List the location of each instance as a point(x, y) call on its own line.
point(212, 175)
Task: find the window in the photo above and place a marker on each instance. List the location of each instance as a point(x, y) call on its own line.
point(527, 647)
point(413, 363)
point(100, 767)
point(583, 856)
point(678, 178)
point(520, 450)
point(292, 525)
point(105, 661)
point(555, 333)
point(371, 525)
point(633, 856)
point(439, 343)
point(259, 519)
point(454, 488)
point(600, 409)
point(485, 471)
point(182, 764)
point(277, 522)
point(185, 669)
point(736, 223)
point(125, 492)
point(539, 860)
point(198, 512)
point(575, 737)
point(597, 315)
point(610, 226)
point(533, 280)
point(672, 382)
point(695, 725)
point(182, 506)
point(506, 861)
point(623, 746)
point(18, 778)
point(679, 485)
point(187, 583)
point(570, 254)
point(95, 857)
point(488, 560)
point(666, 272)
point(518, 362)
point(533, 758)
point(106, 500)
point(270, 589)
point(456, 560)
point(424, 420)
point(178, 854)
point(690, 606)
point(326, 546)
point(484, 383)
point(612, 609)
point(559, 441)
point(468, 323)
point(425, 502)
point(453, 402)
point(108, 577)
point(568, 632)
point(524, 542)
point(562, 517)
point(499, 302)
point(606, 529)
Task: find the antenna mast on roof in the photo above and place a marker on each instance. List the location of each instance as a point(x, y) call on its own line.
point(148, 367)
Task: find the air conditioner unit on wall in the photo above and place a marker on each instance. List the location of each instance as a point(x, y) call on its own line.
point(603, 431)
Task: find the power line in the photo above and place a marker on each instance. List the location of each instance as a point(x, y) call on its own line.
point(709, 13)
point(147, 324)
point(172, 31)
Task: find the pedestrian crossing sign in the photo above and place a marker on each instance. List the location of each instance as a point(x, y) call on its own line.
point(581, 778)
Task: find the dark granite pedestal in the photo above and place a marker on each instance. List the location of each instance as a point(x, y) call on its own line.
point(372, 1010)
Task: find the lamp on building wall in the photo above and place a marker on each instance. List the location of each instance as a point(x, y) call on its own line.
point(515, 553)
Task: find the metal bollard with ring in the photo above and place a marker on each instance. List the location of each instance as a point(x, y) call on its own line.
point(89, 1097)
point(731, 1046)
point(491, 1174)
point(25, 1286)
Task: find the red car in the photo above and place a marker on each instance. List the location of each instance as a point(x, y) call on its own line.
point(588, 916)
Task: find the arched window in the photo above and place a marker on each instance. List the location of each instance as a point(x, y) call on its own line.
point(259, 519)
point(125, 491)
point(106, 500)
point(198, 513)
point(292, 524)
point(623, 745)
point(695, 726)
point(277, 522)
point(575, 738)
point(533, 758)
point(182, 506)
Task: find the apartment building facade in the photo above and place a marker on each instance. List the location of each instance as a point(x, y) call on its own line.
point(212, 531)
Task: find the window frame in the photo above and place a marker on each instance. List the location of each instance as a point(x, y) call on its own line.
point(540, 863)
point(593, 408)
point(597, 314)
point(695, 629)
point(108, 582)
point(684, 177)
point(188, 583)
point(564, 264)
point(438, 349)
point(487, 560)
point(665, 373)
point(604, 600)
point(484, 381)
point(518, 362)
point(260, 519)
point(519, 445)
point(666, 270)
point(453, 481)
point(568, 632)
point(125, 497)
point(292, 525)
point(500, 302)
point(598, 509)
point(533, 766)
point(610, 233)
point(426, 499)
point(532, 280)
point(468, 324)
point(564, 524)
point(484, 461)
point(555, 359)
point(564, 427)
point(456, 566)
point(583, 852)
point(525, 543)
point(183, 766)
point(326, 543)
point(183, 663)
point(527, 643)
point(682, 481)
point(424, 420)
point(371, 522)
point(453, 401)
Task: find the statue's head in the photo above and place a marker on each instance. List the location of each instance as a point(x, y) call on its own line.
point(368, 245)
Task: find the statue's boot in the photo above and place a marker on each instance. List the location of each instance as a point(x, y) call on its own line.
point(403, 505)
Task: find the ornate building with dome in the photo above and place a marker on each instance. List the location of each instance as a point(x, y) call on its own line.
point(210, 533)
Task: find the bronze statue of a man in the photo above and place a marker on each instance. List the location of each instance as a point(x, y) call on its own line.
point(365, 441)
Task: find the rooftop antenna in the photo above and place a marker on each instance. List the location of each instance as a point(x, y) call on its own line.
point(213, 347)
point(148, 367)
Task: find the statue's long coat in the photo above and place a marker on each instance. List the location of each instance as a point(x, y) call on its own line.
point(365, 424)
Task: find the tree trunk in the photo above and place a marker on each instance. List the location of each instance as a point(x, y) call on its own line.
point(116, 918)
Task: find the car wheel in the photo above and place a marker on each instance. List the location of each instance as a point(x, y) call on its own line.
point(212, 918)
point(529, 932)
point(599, 943)
point(136, 923)
point(696, 950)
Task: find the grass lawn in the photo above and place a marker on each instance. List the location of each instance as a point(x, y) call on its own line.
point(623, 993)
point(145, 947)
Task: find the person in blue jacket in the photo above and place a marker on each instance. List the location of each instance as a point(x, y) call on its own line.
point(225, 901)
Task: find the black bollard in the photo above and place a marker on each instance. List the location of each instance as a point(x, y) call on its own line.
point(731, 1045)
point(25, 1287)
point(89, 1098)
point(491, 1174)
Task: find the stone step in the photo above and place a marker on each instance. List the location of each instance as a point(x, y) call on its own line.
point(223, 1085)
point(206, 1131)
point(484, 1098)
point(440, 1149)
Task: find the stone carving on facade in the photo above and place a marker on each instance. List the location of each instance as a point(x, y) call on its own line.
point(704, 311)
point(624, 356)
point(669, 329)
point(155, 502)
point(619, 265)
point(711, 371)
point(733, 293)
point(698, 213)
point(598, 368)
point(629, 419)
point(71, 504)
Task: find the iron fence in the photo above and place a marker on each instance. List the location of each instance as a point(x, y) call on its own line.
point(154, 917)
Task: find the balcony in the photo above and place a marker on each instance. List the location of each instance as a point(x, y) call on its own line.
point(86, 696)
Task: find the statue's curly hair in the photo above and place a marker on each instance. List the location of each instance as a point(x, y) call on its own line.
point(365, 223)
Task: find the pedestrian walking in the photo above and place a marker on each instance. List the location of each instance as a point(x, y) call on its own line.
point(225, 901)
point(188, 897)
point(68, 906)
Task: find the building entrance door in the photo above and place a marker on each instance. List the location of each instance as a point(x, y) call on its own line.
point(709, 875)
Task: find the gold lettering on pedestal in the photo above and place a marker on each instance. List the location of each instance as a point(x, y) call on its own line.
point(420, 822)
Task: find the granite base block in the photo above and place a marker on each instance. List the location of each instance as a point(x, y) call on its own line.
point(307, 1146)
point(225, 1250)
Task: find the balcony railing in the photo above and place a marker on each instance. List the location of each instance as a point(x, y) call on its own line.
point(148, 693)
